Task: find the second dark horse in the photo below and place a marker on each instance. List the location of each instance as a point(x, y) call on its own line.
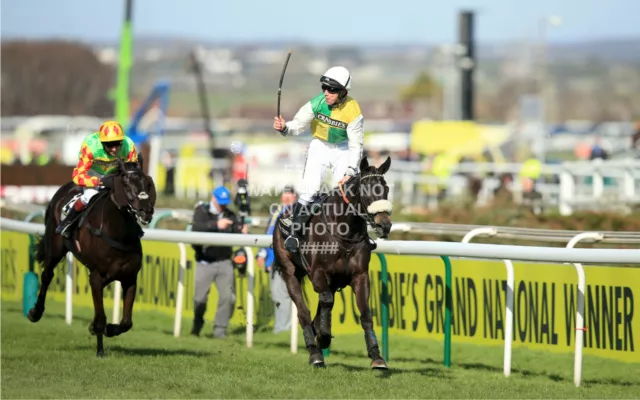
point(106, 241)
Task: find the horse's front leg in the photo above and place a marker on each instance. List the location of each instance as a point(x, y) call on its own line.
point(129, 288)
point(360, 286)
point(99, 323)
point(304, 316)
point(322, 320)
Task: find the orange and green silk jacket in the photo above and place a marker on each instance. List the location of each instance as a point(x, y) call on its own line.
point(95, 161)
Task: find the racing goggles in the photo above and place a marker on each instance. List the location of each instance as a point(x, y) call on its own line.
point(330, 89)
point(111, 145)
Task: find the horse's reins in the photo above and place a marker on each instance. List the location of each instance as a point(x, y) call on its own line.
point(142, 196)
point(129, 209)
point(366, 215)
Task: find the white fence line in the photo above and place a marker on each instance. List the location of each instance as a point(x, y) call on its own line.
point(465, 249)
point(430, 228)
point(404, 247)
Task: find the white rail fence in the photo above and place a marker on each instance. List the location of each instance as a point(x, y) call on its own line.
point(569, 254)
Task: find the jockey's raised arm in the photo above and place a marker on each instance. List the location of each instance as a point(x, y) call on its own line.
point(337, 127)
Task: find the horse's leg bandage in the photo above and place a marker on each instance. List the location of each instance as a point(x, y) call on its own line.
point(379, 206)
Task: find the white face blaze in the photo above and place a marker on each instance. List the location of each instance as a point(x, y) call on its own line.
point(380, 206)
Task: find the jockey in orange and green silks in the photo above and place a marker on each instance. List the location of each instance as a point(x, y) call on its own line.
point(98, 157)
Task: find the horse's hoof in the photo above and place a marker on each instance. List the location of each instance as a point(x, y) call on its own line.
point(112, 330)
point(33, 315)
point(100, 354)
point(316, 360)
point(379, 364)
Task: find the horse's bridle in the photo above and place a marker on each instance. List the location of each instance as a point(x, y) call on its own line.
point(366, 216)
point(141, 196)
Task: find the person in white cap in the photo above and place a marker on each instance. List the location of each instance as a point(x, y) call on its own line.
point(338, 133)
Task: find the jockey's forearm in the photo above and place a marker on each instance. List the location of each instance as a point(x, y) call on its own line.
point(300, 121)
point(86, 181)
point(355, 132)
point(81, 177)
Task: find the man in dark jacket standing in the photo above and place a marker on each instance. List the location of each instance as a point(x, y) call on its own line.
point(214, 262)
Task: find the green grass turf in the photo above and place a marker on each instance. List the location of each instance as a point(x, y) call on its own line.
point(52, 360)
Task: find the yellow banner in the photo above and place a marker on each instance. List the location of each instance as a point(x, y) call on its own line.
point(545, 298)
point(458, 138)
point(545, 303)
point(156, 287)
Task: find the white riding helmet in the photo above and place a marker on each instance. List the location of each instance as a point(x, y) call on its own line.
point(337, 77)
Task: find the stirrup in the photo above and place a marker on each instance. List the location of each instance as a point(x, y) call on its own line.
point(291, 247)
point(63, 229)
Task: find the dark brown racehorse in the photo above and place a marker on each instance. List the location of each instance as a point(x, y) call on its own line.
point(105, 238)
point(334, 251)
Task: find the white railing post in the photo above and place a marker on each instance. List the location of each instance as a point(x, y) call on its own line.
point(485, 231)
point(629, 184)
point(508, 330)
point(250, 297)
point(567, 193)
point(177, 323)
point(582, 282)
point(294, 328)
point(597, 183)
point(117, 294)
point(69, 290)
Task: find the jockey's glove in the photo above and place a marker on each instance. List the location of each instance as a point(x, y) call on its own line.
point(107, 181)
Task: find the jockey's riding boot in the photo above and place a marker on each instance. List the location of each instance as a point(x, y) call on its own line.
point(297, 223)
point(64, 224)
point(73, 213)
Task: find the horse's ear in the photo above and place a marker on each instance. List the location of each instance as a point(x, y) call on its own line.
point(141, 161)
point(364, 163)
point(385, 166)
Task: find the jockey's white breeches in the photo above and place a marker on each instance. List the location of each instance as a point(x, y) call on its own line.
point(320, 156)
point(87, 194)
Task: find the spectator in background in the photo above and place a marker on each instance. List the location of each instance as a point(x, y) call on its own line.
point(213, 263)
point(279, 293)
point(635, 140)
point(169, 163)
point(597, 151)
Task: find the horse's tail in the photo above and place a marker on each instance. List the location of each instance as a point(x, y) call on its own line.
point(43, 242)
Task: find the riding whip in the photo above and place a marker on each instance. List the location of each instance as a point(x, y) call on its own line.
point(284, 68)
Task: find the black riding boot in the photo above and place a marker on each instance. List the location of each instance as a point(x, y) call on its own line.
point(64, 224)
point(298, 220)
